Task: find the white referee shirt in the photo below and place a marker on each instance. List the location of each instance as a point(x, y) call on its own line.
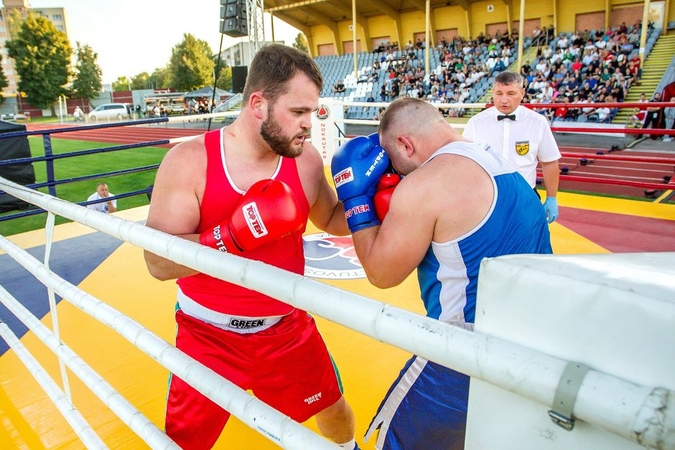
point(524, 141)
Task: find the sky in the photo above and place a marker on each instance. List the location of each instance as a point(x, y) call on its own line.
point(134, 36)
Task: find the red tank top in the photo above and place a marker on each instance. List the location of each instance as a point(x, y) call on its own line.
point(220, 197)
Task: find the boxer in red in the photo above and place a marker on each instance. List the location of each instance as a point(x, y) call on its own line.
point(249, 189)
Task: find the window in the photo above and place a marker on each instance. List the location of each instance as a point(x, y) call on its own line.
point(57, 17)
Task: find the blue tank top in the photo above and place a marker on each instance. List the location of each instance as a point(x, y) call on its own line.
point(515, 224)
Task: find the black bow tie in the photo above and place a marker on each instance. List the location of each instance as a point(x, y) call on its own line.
point(506, 116)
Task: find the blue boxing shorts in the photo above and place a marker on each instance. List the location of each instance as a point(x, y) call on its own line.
point(425, 409)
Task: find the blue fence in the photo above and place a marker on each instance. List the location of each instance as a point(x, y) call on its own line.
point(49, 157)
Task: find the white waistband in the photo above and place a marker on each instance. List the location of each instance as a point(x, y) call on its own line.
point(237, 324)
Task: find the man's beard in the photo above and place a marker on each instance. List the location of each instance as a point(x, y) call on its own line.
point(272, 133)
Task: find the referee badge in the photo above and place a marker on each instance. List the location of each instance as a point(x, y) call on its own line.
point(522, 147)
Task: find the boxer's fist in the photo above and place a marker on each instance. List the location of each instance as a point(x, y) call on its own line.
point(266, 212)
point(385, 188)
point(357, 167)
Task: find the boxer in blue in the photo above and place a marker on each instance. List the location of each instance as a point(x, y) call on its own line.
point(457, 203)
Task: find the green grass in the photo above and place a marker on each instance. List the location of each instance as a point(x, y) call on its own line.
point(88, 165)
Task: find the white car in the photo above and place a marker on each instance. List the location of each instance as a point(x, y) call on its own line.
point(109, 111)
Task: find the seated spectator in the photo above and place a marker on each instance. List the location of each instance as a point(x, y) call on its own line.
point(339, 87)
point(560, 113)
point(563, 42)
point(547, 52)
point(669, 113)
point(653, 117)
point(536, 32)
point(380, 111)
point(78, 114)
point(634, 68)
point(499, 66)
point(525, 69)
point(577, 64)
point(102, 192)
point(587, 113)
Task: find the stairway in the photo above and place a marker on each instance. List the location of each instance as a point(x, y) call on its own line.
point(654, 67)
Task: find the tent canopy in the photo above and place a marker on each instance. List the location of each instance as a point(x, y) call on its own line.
point(208, 92)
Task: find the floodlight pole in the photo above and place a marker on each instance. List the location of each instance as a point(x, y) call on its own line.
point(255, 10)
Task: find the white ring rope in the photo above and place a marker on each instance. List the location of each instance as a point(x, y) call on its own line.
point(641, 414)
point(74, 418)
point(138, 422)
point(277, 427)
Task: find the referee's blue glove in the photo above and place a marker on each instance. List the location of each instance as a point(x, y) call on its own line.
point(551, 208)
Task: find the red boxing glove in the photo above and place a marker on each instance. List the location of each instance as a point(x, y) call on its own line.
point(265, 213)
point(382, 197)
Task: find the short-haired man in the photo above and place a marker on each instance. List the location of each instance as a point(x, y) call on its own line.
point(249, 189)
point(520, 135)
point(458, 202)
point(102, 192)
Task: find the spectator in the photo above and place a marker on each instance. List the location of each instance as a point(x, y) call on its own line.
point(669, 113)
point(78, 114)
point(499, 65)
point(653, 117)
point(339, 87)
point(102, 192)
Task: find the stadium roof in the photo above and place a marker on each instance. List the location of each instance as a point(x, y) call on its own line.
point(303, 14)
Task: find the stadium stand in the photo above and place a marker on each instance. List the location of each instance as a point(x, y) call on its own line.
point(575, 67)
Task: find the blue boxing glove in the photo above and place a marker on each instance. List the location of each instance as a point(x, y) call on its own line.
point(357, 167)
point(551, 208)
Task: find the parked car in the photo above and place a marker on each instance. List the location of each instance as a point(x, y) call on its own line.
point(110, 111)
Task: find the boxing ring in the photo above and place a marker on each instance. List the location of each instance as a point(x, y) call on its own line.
point(125, 326)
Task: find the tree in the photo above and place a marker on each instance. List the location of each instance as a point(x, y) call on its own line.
point(160, 78)
point(87, 83)
point(3, 83)
point(121, 84)
point(14, 19)
point(225, 78)
point(141, 81)
point(191, 65)
point(301, 43)
point(42, 59)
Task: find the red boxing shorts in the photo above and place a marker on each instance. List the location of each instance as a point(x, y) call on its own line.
point(286, 366)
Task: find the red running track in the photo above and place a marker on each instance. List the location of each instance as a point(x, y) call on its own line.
point(124, 135)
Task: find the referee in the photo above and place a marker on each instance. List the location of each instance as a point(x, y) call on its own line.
point(520, 135)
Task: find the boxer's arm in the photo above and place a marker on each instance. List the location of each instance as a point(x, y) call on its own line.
point(326, 212)
point(389, 253)
point(174, 208)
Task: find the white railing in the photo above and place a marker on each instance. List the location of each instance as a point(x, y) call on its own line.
point(605, 401)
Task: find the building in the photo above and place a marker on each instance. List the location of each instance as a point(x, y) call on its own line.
point(240, 54)
point(12, 10)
